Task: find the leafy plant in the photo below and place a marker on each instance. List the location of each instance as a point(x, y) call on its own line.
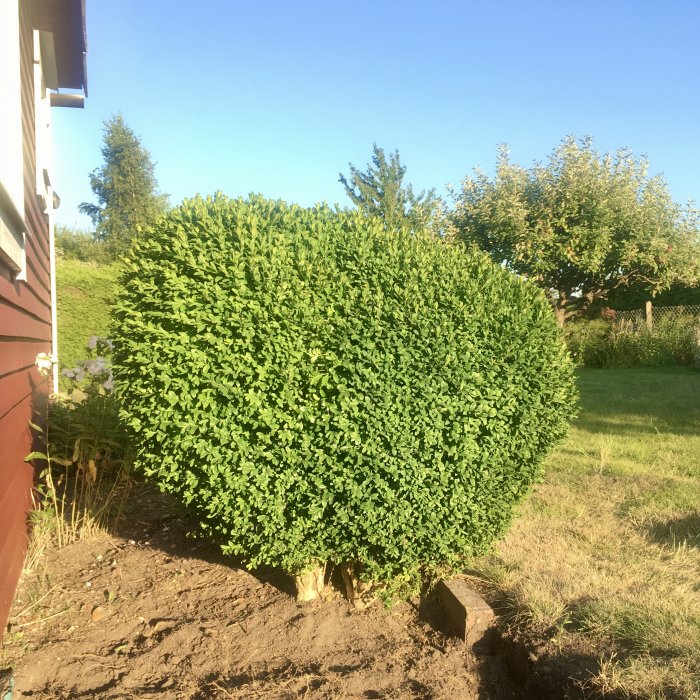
point(73, 244)
point(85, 478)
point(319, 389)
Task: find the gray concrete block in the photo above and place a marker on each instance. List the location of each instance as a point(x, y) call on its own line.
point(468, 615)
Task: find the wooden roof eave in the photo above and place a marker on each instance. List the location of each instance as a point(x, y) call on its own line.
point(65, 20)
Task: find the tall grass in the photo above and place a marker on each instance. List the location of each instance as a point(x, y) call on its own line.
point(618, 345)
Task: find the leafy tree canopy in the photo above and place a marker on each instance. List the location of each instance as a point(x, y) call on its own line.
point(581, 225)
point(379, 190)
point(125, 187)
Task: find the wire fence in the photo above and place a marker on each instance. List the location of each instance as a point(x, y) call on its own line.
point(639, 319)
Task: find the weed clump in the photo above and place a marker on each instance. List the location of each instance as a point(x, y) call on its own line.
point(604, 344)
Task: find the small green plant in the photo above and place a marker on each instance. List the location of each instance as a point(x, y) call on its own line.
point(73, 244)
point(85, 477)
point(321, 389)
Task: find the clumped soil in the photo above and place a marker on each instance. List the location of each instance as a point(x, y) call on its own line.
point(150, 612)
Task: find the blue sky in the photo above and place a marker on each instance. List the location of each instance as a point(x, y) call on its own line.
point(278, 97)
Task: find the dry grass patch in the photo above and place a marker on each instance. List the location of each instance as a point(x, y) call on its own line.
point(608, 546)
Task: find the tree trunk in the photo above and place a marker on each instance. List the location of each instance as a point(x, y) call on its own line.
point(560, 309)
point(561, 316)
point(357, 591)
point(310, 584)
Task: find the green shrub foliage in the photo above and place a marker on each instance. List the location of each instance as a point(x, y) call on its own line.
point(320, 389)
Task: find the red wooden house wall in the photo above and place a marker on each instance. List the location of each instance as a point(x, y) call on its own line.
point(25, 331)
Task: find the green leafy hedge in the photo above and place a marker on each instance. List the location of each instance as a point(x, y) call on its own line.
point(318, 389)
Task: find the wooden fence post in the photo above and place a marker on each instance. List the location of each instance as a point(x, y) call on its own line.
point(649, 316)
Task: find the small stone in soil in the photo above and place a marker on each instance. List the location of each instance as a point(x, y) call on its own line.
point(98, 613)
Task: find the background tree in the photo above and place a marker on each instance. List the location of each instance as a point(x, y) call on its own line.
point(380, 191)
point(125, 187)
point(76, 244)
point(581, 225)
point(634, 298)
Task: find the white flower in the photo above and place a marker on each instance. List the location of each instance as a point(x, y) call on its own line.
point(44, 363)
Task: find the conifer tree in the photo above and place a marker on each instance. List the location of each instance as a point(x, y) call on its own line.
point(380, 191)
point(125, 187)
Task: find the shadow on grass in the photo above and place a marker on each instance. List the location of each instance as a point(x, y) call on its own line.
point(640, 401)
point(682, 530)
point(529, 662)
point(595, 421)
point(598, 424)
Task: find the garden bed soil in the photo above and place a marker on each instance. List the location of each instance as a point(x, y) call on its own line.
point(148, 612)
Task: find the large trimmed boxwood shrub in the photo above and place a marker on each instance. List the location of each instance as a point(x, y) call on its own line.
point(319, 389)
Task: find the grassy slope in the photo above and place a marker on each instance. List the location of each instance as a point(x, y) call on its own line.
point(609, 543)
point(85, 292)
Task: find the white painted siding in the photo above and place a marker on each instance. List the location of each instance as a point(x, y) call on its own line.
point(11, 165)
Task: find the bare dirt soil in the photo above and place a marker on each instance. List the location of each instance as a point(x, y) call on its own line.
point(151, 613)
point(148, 612)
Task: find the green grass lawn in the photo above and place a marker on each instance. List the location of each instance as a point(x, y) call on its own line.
point(608, 545)
point(85, 293)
